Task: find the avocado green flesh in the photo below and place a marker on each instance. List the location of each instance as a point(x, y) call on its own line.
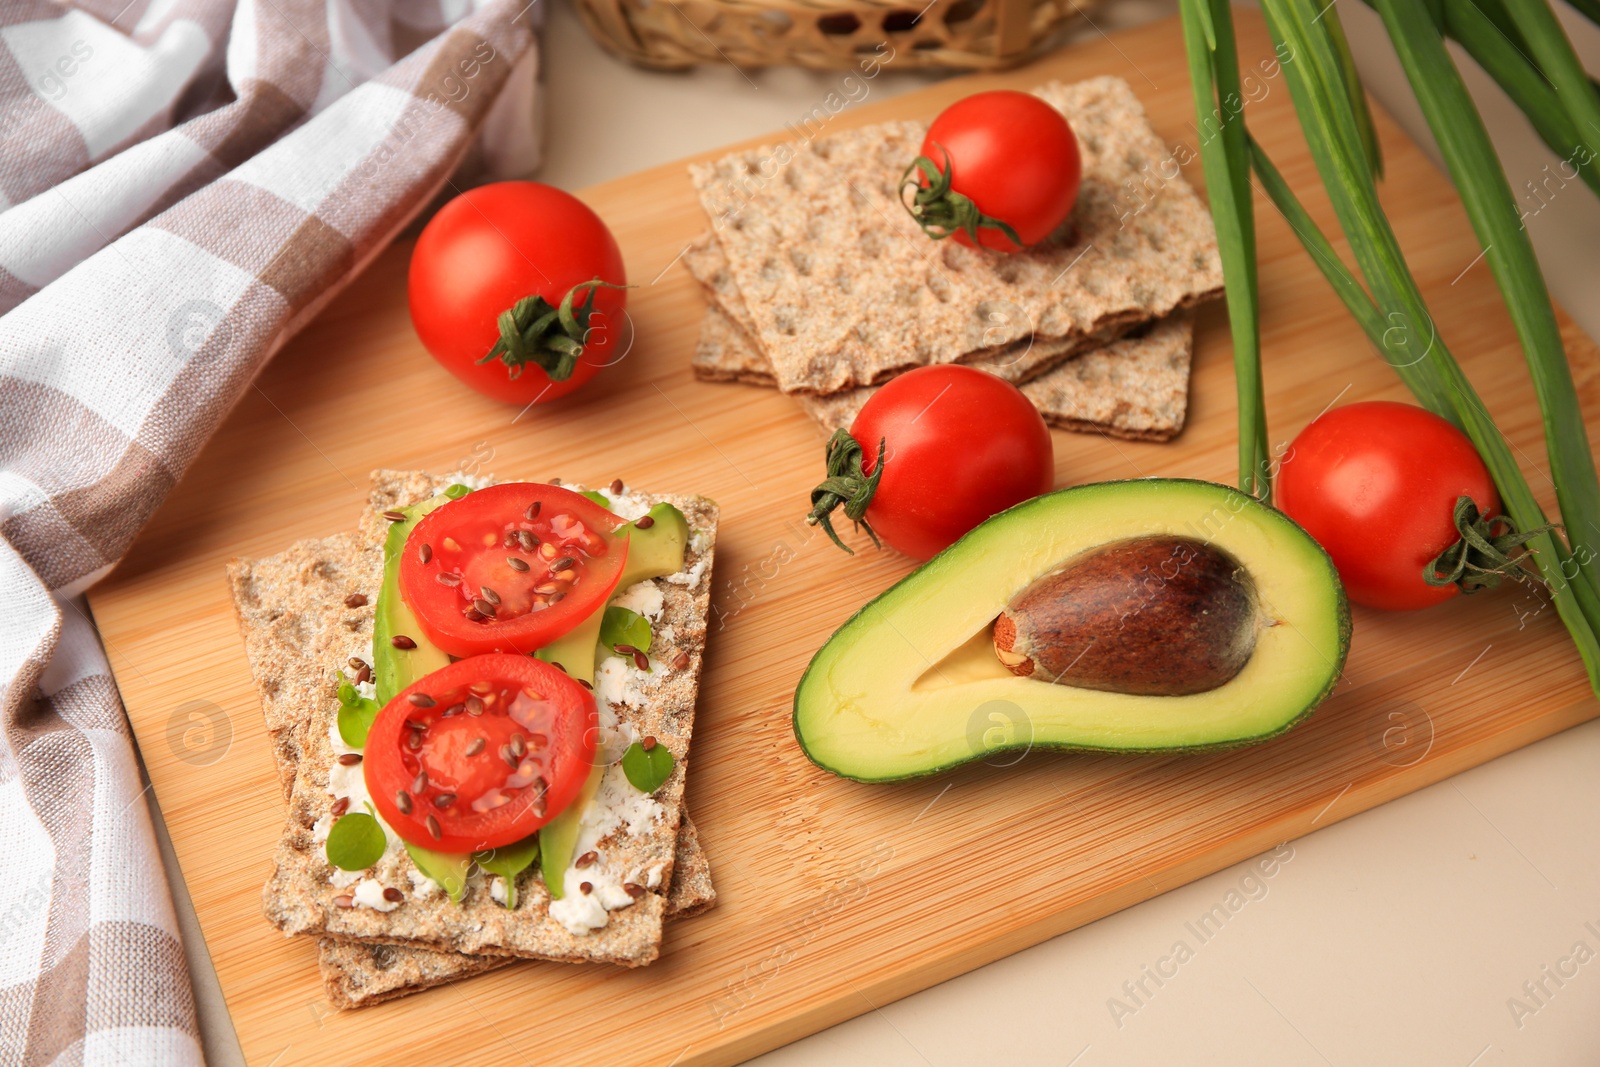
point(559, 836)
point(447, 868)
point(393, 669)
point(911, 684)
point(652, 553)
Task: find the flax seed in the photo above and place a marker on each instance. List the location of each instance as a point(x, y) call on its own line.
point(344, 901)
point(633, 889)
point(585, 860)
point(616, 486)
point(403, 642)
point(393, 895)
point(680, 661)
point(395, 516)
point(586, 888)
point(644, 522)
point(355, 600)
point(350, 759)
point(340, 806)
point(648, 743)
point(641, 661)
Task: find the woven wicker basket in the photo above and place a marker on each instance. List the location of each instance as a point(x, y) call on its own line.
point(829, 34)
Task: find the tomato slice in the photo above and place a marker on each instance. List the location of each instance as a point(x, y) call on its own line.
point(510, 568)
point(481, 753)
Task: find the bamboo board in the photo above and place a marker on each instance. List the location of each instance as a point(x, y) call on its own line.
point(835, 896)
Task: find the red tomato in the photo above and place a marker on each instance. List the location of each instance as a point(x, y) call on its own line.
point(1015, 157)
point(490, 247)
point(539, 558)
point(1376, 485)
point(439, 757)
point(961, 446)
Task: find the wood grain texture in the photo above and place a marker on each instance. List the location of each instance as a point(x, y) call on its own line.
point(835, 896)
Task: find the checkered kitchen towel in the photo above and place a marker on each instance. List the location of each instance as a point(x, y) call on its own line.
point(183, 183)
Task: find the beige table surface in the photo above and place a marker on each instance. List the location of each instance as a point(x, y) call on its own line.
point(1400, 936)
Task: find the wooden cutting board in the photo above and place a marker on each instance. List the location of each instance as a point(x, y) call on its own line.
point(835, 897)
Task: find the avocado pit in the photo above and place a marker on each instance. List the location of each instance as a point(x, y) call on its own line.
point(1156, 616)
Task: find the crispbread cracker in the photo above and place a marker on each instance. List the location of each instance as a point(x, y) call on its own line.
point(1136, 388)
point(298, 897)
point(727, 350)
point(844, 289)
point(295, 625)
point(297, 630)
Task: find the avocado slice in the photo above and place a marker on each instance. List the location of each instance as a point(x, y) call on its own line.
point(653, 552)
point(449, 869)
point(911, 685)
point(393, 669)
point(559, 836)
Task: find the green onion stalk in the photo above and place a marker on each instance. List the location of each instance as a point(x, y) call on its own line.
point(1544, 78)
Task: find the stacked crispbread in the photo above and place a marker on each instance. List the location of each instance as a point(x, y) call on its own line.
point(299, 629)
point(820, 283)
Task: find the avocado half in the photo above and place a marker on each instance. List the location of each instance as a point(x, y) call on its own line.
point(911, 685)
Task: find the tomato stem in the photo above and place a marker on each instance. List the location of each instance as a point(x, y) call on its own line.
point(939, 209)
point(549, 336)
point(847, 484)
point(1482, 558)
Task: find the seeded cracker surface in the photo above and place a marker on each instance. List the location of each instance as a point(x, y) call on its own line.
point(844, 290)
point(299, 897)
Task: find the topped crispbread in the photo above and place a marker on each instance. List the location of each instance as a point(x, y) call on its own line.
point(845, 290)
point(299, 896)
point(295, 625)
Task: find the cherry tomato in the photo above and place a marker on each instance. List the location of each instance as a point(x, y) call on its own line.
point(961, 445)
point(481, 753)
point(1376, 484)
point(510, 568)
point(1015, 157)
point(486, 250)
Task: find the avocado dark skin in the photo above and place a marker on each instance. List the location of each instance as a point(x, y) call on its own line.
point(1156, 616)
